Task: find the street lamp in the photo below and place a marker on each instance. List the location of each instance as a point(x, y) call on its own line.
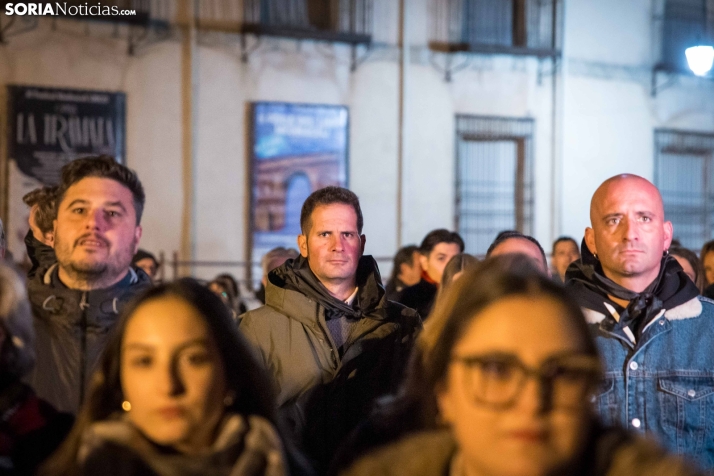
point(700, 59)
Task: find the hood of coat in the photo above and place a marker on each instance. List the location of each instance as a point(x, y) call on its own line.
point(294, 290)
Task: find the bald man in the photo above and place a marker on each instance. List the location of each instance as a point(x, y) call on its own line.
point(655, 333)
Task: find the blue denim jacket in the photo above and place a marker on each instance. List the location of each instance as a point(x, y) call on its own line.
point(663, 384)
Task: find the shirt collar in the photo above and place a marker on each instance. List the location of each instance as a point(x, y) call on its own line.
point(352, 297)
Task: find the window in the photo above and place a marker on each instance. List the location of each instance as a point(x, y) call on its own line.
point(330, 20)
point(686, 23)
point(684, 173)
point(495, 26)
point(494, 178)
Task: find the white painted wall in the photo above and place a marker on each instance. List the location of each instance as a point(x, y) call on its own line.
point(607, 116)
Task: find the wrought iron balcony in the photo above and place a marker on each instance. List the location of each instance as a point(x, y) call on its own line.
point(512, 27)
point(342, 21)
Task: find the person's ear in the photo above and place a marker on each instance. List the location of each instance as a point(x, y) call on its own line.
point(444, 402)
point(302, 245)
point(137, 236)
point(590, 240)
point(423, 261)
point(54, 232)
point(668, 233)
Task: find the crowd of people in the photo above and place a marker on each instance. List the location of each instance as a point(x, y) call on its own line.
point(599, 364)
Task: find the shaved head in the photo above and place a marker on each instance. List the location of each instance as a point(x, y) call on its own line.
point(628, 232)
point(614, 184)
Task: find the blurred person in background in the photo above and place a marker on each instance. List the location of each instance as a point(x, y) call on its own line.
point(690, 263)
point(178, 392)
point(31, 428)
point(707, 258)
point(565, 251)
point(77, 299)
point(271, 260)
point(406, 271)
point(505, 388)
point(3, 241)
point(436, 249)
point(147, 262)
point(647, 318)
point(454, 269)
point(707, 261)
point(328, 335)
point(511, 241)
point(226, 287)
point(40, 237)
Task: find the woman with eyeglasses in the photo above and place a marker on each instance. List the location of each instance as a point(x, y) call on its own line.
point(178, 392)
point(502, 385)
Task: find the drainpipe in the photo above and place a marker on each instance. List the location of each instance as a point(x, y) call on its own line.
point(188, 87)
point(557, 111)
point(402, 161)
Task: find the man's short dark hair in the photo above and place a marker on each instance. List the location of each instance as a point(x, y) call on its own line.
point(46, 200)
point(507, 235)
point(441, 235)
point(405, 255)
point(562, 239)
point(328, 196)
point(103, 166)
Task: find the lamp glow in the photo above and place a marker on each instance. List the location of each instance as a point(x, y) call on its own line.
point(700, 59)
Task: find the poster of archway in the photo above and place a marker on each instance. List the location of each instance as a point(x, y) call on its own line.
point(295, 150)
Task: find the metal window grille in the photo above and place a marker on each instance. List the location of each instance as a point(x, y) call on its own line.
point(505, 26)
point(686, 23)
point(351, 18)
point(684, 173)
point(494, 178)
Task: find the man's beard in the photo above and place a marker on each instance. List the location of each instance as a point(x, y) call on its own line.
point(93, 272)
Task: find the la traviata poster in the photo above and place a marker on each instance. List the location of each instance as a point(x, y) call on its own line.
point(47, 128)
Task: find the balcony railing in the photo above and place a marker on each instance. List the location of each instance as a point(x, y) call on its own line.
point(514, 27)
point(685, 23)
point(344, 21)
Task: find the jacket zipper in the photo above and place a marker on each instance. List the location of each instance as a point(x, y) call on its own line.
point(83, 305)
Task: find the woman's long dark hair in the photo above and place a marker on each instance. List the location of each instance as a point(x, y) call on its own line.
point(244, 375)
point(415, 407)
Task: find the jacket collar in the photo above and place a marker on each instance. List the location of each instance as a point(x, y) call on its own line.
point(688, 310)
point(294, 290)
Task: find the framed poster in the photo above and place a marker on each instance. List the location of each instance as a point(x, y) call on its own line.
point(295, 150)
point(47, 128)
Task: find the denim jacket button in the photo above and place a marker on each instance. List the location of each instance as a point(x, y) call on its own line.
point(636, 422)
point(661, 322)
point(691, 393)
point(633, 365)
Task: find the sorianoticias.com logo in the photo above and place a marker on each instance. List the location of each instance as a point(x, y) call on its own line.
point(64, 9)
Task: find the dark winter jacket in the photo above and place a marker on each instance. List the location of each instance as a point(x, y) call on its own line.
point(610, 452)
point(420, 297)
point(71, 330)
point(323, 390)
point(30, 429)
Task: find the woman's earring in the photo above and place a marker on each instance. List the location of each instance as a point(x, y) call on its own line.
point(229, 398)
point(126, 406)
point(595, 255)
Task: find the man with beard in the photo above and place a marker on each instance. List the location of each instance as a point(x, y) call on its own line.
point(76, 300)
point(654, 331)
point(327, 333)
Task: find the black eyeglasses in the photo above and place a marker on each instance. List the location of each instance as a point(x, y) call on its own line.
point(497, 380)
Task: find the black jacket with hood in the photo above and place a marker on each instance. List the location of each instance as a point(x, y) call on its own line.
point(72, 328)
point(324, 391)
